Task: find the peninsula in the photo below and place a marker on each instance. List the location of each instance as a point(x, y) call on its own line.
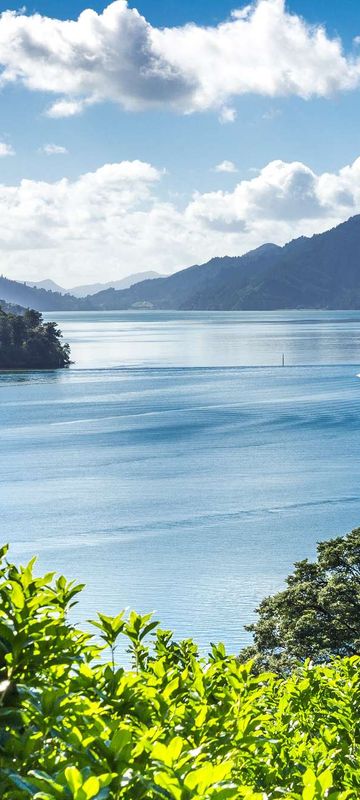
point(27, 342)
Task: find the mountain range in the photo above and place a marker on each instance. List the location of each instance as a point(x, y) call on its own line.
point(40, 299)
point(206, 286)
point(93, 288)
point(321, 271)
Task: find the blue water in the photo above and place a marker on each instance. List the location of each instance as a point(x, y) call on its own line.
point(177, 467)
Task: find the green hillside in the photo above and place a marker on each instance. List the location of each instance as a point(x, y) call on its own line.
point(322, 271)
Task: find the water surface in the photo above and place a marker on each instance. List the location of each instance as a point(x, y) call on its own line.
point(186, 470)
point(211, 339)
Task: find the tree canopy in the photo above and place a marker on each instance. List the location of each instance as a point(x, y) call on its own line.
point(317, 616)
point(26, 342)
point(77, 724)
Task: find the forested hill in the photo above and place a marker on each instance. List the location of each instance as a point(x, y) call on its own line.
point(217, 284)
point(11, 308)
point(318, 272)
point(322, 271)
point(26, 342)
point(40, 299)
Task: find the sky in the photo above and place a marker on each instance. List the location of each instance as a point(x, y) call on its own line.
point(157, 134)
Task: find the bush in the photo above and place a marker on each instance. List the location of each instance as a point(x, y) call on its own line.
point(172, 727)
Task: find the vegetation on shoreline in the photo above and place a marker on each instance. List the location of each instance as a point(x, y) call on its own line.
point(174, 726)
point(317, 616)
point(26, 342)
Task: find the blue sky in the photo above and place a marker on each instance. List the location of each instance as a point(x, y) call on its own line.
point(190, 207)
point(339, 17)
point(189, 146)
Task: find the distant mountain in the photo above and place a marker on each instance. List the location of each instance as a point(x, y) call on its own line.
point(39, 299)
point(92, 288)
point(322, 271)
point(123, 283)
point(216, 284)
point(47, 284)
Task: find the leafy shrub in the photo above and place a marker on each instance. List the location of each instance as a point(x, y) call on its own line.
point(174, 726)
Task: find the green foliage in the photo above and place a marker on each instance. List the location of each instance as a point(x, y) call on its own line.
point(26, 342)
point(317, 616)
point(74, 726)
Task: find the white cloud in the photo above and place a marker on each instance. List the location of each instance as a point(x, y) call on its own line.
point(225, 166)
point(281, 191)
point(227, 114)
point(283, 201)
point(71, 218)
point(6, 150)
point(118, 56)
point(113, 221)
point(54, 150)
point(65, 108)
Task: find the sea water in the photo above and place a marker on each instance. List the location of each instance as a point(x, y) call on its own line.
point(177, 466)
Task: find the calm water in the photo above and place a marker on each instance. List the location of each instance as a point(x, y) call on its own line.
point(177, 466)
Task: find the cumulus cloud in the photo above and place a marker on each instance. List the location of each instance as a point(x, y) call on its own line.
point(65, 108)
point(283, 201)
point(6, 150)
point(225, 166)
point(69, 217)
point(54, 150)
point(114, 220)
point(281, 191)
point(118, 56)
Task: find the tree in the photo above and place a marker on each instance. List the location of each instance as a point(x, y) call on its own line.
point(32, 318)
point(18, 330)
point(26, 342)
point(317, 616)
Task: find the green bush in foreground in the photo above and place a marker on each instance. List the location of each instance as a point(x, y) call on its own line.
point(174, 727)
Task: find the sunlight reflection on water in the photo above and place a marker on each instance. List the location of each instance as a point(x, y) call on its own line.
point(190, 488)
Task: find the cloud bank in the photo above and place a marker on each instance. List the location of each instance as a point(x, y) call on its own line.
point(113, 221)
point(118, 56)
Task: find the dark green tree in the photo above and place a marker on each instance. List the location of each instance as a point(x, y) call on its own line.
point(26, 342)
point(32, 318)
point(317, 616)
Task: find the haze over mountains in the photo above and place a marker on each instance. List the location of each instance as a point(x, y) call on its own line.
point(39, 299)
point(47, 284)
point(123, 283)
point(93, 288)
point(322, 271)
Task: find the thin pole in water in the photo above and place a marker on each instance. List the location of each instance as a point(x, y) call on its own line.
point(283, 360)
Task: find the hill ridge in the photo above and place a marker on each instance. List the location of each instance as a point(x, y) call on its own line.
point(318, 271)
